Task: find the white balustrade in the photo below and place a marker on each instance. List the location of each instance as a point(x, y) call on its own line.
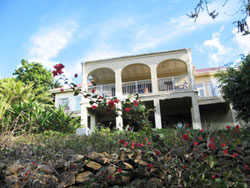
point(107, 90)
point(137, 87)
point(208, 89)
point(173, 83)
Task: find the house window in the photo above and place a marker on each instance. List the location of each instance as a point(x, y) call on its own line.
point(201, 90)
point(77, 103)
point(64, 102)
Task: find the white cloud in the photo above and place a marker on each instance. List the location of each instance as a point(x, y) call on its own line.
point(48, 42)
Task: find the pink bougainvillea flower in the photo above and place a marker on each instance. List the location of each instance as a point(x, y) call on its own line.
point(116, 101)
point(129, 129)
point(132, 146)
point(94, 107)
point(223, 145)
point(196, 143)
point(27, 173)
point(100, 97)
point(234, 155)
point(204, 155)
point(185, 137)
point(61, 90)
point(125, 144)
point(236, 130)
point(213, 176)
point(246, 167)
point(136, 103)
point(137, 145)
point(34, 163)
point(211, 145)
point(54, 72)
point(211, 139)
point(225, 152)
point(146, 139)
point(127, 109)
point(121, 141)
point(149, 166)
point(92, 90)
point(73, 165)
point(142, 144)
point(221, 136)
point(169, 157)
point(195, 149)
point(119, 170)
point(202, 130)
point(237, 126)
point(76, 75)
point(149, 143)
point(111, 103)
point(227, 141)
point(187, 125)
point(200, 138)
point(157, 152)
point(184, 166)
point(228, 127)
point(109, 177)
point(133, 143)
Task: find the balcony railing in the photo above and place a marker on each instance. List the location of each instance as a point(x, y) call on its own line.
point(137, 87)
point(107, 90)
point(173, 83)
point(208, 89)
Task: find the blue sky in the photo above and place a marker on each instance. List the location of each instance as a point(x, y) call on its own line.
point(74, 31)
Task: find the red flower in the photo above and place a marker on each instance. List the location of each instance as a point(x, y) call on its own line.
point(228, 127)
point(129, 129)
point(121, 141)
point(185, 137)
point(187, 125)
point(76, 75)
point(213, 176)
point(27, 173)
point(109, 177)
point(136, 103)
point(227, 141)
point(92, 90)
point(73, 165)
point(200, 138)
point(61, 89)
point(234, 155)
point(127, 109)
point(133, 143)
point(211, 139)
point(202, 130)
point(184, 166)
point(119, 170)
point(225, 152)
point(211, 145)
point(204, 155)
point(54, 72)
point(125, 144)
point(223, 145)
point(94, 107)
point(47, 181)
point(137, 145)
point(34, 163)
point(100, 97)
point(132, 146)
point(196, 143)
point(116, 101)
point(157, 152)
point(221, 136)
point(236, 130)
point(149, 143)
point(146, 139)
point(58, 70)
point(149, 166)
point(237, 127)
point(195, 149)
point(142, 144)
point(246, 167)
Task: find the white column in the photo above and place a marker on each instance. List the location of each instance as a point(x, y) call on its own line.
point(157, 114)
point(84, 116)
point(234, 114)
point(154, 78)
point(92, 122)
point(118, 94)
point(195, 113)
point(190, 70)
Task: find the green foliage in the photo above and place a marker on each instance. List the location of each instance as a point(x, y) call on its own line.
point(235, 85)
point(36, 74)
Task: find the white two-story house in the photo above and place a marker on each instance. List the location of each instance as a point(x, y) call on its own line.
point(165, 80)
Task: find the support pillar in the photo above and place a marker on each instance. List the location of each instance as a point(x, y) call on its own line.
point(92, 122)
point(233, 112)
point(118, 94)
point(154, 79)
point(158, 124)
point(195, 113)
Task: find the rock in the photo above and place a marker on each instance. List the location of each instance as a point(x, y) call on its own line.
point(84, 177)
point(94, 165)
point(45, 169)
point(137, 183)
point(15, 169)
point(76, 158)
point(127, 165)
point(155, 183)
point(68, 179)
point(12, 181)
point(95, 156)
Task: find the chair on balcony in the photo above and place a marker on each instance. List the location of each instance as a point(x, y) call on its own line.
point(168, 85)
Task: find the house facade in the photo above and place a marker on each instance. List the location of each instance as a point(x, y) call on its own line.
point(165, 80)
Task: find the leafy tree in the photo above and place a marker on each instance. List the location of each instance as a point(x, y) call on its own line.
point(235, 85)
point(244, 8)
point(36, 74)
